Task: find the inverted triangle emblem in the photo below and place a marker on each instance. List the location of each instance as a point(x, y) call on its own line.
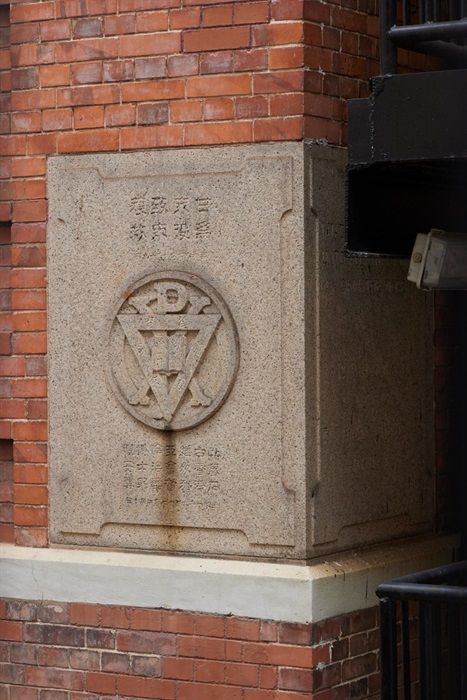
point(173, 350)
point(156, 373)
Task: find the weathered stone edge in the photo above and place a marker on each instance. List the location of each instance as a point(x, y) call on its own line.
point(281, 592)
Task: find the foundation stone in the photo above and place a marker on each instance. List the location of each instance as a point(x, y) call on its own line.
point(222, 379)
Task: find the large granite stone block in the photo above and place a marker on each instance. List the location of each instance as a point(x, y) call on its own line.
point(222, 379)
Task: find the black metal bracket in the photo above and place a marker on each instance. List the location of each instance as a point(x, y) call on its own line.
point(407, 169)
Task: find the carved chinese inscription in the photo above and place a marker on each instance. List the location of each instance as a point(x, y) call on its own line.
point(173, 350)
point(170, 474)
point(156, 217)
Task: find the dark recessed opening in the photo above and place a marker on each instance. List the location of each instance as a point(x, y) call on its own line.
point(389, 203)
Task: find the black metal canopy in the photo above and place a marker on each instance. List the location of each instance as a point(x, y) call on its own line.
point(407, 169)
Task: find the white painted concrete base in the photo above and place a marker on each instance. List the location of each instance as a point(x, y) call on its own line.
point(285, 592)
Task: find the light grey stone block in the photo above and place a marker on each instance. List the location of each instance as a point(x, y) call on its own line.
point(297, 425)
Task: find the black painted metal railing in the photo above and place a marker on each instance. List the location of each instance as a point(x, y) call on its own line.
point(436, 27)
point(424, 635)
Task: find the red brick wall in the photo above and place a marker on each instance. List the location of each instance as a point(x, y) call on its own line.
point(109, 75)
point(116, 75)
point(189, 73)
point(341, 55)
point(55, 651)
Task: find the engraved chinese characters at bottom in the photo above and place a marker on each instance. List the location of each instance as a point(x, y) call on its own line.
point(173, 350)
point(157, 474)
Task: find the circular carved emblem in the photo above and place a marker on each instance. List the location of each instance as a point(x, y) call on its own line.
point(173, 350)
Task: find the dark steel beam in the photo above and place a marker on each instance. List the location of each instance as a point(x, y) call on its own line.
point(388, 49)
point(460, 429)
point(406, 671)
point(388, 637)
point(422, 592)
point(413, 117)
point(429, 31)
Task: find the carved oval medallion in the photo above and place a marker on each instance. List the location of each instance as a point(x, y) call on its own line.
point(173, 350)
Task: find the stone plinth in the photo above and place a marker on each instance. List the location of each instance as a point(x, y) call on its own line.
point(222, 379)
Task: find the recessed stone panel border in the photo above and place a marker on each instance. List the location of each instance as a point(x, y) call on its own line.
point(325, 441)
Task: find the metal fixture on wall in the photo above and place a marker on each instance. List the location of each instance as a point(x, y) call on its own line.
point(407, 169)
point(439, 261)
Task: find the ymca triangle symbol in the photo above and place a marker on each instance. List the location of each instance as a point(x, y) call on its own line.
point(169, 354)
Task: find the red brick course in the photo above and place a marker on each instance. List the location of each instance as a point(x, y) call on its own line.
point(121, 75)
point(56, 47)
point(107, 651)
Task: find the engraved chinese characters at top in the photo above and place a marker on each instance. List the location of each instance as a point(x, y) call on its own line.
point(157, 217)
point(173, 350)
